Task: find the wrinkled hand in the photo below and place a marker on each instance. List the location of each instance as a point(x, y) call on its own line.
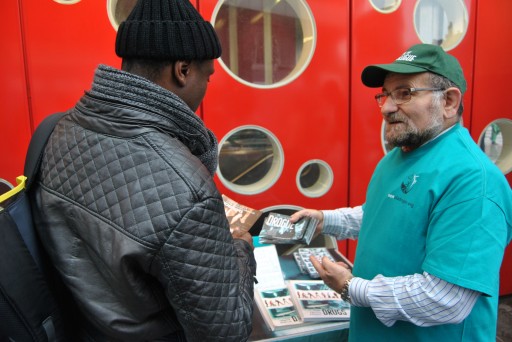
point(310, 213)
point(334, 274)
point(237, 233)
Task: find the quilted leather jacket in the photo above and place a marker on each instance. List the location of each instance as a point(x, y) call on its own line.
point(136, 227)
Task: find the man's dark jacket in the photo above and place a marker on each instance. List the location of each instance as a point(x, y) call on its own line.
point(133, 221)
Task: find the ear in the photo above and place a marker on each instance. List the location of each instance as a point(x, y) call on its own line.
point(181, 71)
point(452, 97)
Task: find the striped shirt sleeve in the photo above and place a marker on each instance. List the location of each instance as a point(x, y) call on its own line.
point(421, 299)
point(343, 223)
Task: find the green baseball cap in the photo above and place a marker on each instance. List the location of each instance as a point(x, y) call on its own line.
point(418, 58)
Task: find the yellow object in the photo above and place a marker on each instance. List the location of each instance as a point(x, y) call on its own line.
point(20, 181)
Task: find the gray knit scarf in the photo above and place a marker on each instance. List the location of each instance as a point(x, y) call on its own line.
point(122, 87)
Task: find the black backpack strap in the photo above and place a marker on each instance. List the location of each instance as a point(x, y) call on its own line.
point(29, 293)
point(37, 144)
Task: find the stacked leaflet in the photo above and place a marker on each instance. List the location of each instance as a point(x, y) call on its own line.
point(271, 294)
point(277, 229)
point(316, 302)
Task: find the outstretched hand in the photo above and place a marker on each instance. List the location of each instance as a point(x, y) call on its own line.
point(317, 214)
point(334, 274)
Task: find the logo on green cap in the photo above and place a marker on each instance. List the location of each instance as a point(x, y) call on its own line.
point(407, 56)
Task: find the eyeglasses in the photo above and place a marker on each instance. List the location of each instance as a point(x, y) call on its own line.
point(401, 95)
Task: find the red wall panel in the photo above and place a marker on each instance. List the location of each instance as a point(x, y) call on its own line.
point(64, 45)
point(492, 75)
point(15, 129)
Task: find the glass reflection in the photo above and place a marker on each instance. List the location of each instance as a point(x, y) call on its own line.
point(246, 157)
point(264, 41)
point(442, 23)
point(309, 175)
point(118, 11)
point(385, 144)
point(491, 141)
point(4, 186)
point(67, 2)
point(386, 6)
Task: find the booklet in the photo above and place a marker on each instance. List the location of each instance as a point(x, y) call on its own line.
point(316, 302)
point(271, 293)
point(239, 215)
point(277, 229)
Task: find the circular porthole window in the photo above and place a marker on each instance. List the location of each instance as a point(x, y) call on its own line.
point(441, 22)
point(251, 160)
point(265, 44)
point(386, 6)
point(386, 146)
point(67, 2)
point(118, 11)
point(314, 178)
point(5, 186)
point(496, 142)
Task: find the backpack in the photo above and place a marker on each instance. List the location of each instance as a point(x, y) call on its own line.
point(29, 310)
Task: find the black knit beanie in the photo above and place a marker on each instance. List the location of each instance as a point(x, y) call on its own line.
point(166, 30)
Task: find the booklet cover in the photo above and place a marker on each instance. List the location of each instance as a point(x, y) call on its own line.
point(239, 215)
point(277, 308)
point(316, 302)
point(277, 229)
point(271, 293)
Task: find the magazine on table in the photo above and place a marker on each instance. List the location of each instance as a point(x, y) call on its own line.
point(271, 293)
point(277, 308)
point(277, 229)
point(316, 302)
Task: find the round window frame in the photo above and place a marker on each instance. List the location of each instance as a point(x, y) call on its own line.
point(270, 178)
point(504, 161)
point(319, 188)
point(111, 7)
point(67, 2)
point(396, 7)
point(383, 137)
point(305, 57)
point(443, 5)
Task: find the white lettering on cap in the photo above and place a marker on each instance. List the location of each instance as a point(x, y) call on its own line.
point(406, 56)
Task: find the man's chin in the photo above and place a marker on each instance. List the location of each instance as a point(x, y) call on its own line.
point(393, 138)
point(395, 141)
